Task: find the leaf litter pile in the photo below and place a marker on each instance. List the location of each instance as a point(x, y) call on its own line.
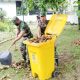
point(16, 65)
point(43, 38)
point(19, 65)
point(5, 78)
point(77, 42)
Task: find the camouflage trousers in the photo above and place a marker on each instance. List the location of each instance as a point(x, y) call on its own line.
point(24, 51)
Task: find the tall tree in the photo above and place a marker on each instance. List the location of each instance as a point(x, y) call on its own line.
point(43, 5)
point(77, 6)
point(79, 14)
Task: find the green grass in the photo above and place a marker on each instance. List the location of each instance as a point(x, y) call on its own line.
point(69, 57)
point(67, 48)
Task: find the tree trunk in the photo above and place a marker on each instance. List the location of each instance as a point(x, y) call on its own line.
point(79, 23)
point(79, 16)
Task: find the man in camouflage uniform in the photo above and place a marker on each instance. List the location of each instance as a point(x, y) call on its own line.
point(42, 23)
point(22, 31)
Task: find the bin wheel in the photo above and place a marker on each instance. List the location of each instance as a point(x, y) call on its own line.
point(55, 73)
point(56, 57)
point(35, 75)
point(57, 61)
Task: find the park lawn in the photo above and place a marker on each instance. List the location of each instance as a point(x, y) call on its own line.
point(69, 57)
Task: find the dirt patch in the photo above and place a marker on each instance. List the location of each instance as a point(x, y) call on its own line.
point(68, 67)
point(17, 66)
point(7, 77)
point(65, 58)
point(20, 64)
point(66, 62)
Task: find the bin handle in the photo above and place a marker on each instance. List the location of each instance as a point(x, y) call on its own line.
point(52, 34)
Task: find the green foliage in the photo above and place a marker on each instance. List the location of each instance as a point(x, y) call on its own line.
point(43, 5)
point(6, 26)
point(77, 5)
point(3, 26)
point(77, 2)
point(22, 9)
point(2, 14)
point(78, 13)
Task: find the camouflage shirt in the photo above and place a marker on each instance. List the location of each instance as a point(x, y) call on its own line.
point(24, 27)
point(42, 25)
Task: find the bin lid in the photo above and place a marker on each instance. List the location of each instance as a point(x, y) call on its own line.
point(56, 24)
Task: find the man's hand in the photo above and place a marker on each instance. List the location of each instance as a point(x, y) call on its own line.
point(18, 37)
point(39, 32)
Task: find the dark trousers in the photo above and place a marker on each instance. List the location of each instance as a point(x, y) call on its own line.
point(23, 50)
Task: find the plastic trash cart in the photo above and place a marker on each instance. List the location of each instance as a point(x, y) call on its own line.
point(42, 55)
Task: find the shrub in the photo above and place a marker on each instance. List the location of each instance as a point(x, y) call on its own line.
point(2, 14)
point(3, 26)
point(6, 26)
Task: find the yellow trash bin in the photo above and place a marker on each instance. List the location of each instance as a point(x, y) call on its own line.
point(42, 55)
point(42, 58)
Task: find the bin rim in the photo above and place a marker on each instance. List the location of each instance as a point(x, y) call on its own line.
point(27, 42)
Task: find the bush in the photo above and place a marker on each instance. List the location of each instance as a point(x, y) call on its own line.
point(2, 14)
point(3, 26)
point(6, 26)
